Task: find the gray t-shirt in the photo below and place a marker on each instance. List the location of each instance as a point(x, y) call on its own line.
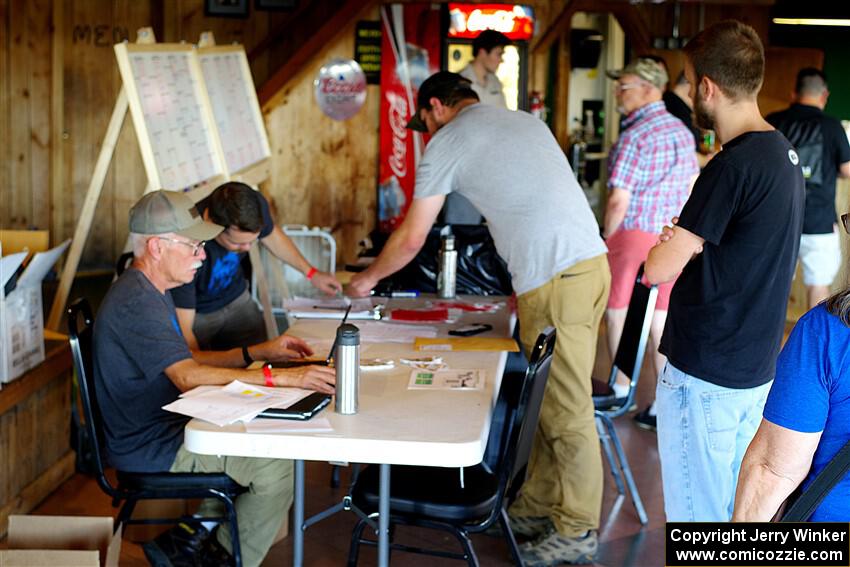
point(136, 337)
point(511, 169)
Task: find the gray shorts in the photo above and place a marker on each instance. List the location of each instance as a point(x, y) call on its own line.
point(239, 323)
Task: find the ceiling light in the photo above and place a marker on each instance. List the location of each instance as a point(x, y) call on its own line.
point(812, 21)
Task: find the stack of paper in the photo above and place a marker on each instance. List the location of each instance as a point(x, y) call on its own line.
point(333, 308)
point(235, 402)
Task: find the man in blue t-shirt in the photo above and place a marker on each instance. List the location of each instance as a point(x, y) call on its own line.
point(735, 245)
point(216, 311)
point(824, 153)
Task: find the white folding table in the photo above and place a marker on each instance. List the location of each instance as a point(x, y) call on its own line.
point(394, 425)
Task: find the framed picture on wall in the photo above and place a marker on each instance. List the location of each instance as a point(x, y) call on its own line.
point(271, 5)
point(226, 8)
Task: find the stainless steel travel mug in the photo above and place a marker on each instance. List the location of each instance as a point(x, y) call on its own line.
point(446, 278)
point(347, 362)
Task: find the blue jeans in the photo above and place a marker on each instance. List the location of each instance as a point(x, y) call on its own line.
point(703, 433)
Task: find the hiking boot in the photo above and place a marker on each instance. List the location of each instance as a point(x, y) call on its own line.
point(530, 527)
point(646, 421)
point(178, 547)
point(555, 549)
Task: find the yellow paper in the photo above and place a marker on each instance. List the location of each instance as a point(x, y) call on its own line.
point(497, 344)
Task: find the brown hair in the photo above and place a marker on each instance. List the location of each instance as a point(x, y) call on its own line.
point(731, 54)
point(236, 204)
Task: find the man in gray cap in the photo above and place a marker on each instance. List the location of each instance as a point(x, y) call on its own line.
point(544, 229)
point(651, 168)
point(142, 362)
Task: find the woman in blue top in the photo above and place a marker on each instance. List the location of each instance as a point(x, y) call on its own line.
point(806, 420)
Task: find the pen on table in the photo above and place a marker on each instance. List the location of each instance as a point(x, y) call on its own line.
point(398, 293)
point(333, 346)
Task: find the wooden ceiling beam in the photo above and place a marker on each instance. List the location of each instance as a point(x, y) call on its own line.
point(321, 36)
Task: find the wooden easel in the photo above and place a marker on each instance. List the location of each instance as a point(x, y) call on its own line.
point(145, 36)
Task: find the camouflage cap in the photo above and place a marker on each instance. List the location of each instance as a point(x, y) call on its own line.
point(645, 68)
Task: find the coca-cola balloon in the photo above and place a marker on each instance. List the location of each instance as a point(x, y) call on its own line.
point(340, 88)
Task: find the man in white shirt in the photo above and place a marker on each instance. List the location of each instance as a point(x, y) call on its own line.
point(487, 50)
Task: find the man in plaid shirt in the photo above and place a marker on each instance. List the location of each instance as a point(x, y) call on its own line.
point(651, 169)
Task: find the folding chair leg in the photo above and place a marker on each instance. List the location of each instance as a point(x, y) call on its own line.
point(605, 439)
point(509, 536)
point(125, 513)
point(236, 550)
point(468, 552)
point(627, 472)
point(354, 549)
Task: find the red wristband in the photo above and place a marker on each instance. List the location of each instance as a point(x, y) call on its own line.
point(310, 273)
point(267, 374)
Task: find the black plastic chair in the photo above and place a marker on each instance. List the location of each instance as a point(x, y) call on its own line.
point(132, 487)
point(628, 359)
point(471, 499)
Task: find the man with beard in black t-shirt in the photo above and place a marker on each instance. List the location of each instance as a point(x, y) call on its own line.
point(824, 153)
point(735, 245)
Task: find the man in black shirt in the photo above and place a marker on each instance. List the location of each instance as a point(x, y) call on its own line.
point(824, 153)
point(735, 245)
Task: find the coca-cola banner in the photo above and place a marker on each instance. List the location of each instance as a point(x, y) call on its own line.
point(410, 53)
point(340, 88)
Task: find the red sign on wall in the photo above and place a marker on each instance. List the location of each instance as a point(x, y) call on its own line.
point(410, 53)
point(468, 20)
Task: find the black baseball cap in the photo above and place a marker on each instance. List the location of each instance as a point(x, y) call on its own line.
point(441, 85)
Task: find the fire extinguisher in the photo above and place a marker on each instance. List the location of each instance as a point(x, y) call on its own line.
point(536, 106)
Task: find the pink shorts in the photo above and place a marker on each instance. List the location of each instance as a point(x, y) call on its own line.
point(627, 250)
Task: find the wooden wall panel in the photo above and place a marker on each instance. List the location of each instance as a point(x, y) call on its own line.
point(25, 108)
point(6, 189)
point(91, 88)
point(39, 29)
point(324, 172)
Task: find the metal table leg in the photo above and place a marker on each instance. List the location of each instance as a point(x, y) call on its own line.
point(298, 541)
point(384, 518)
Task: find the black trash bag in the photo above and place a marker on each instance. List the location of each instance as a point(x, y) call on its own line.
point(480, 269)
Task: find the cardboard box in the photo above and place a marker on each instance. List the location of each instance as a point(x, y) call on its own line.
point(21, 315)
point(73, 541)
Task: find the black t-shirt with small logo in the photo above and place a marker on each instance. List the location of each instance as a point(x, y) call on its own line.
point(822, 145)
point(727, 309)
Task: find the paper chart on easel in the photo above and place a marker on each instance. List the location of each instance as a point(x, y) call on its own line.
point(235, 106)
point(171, 114)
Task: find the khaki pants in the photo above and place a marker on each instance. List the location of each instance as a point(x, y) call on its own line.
point(565, 469)
point(260, 510)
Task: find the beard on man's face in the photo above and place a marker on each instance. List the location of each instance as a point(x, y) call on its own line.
point(704, 117)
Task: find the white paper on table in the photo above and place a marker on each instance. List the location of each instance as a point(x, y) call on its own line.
point(283, 397)
point(458, 379)
point(223, 406)
point(331, 308)
point(9, 265)
point(375, 332)
point(40, 264)
point(263, 425)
